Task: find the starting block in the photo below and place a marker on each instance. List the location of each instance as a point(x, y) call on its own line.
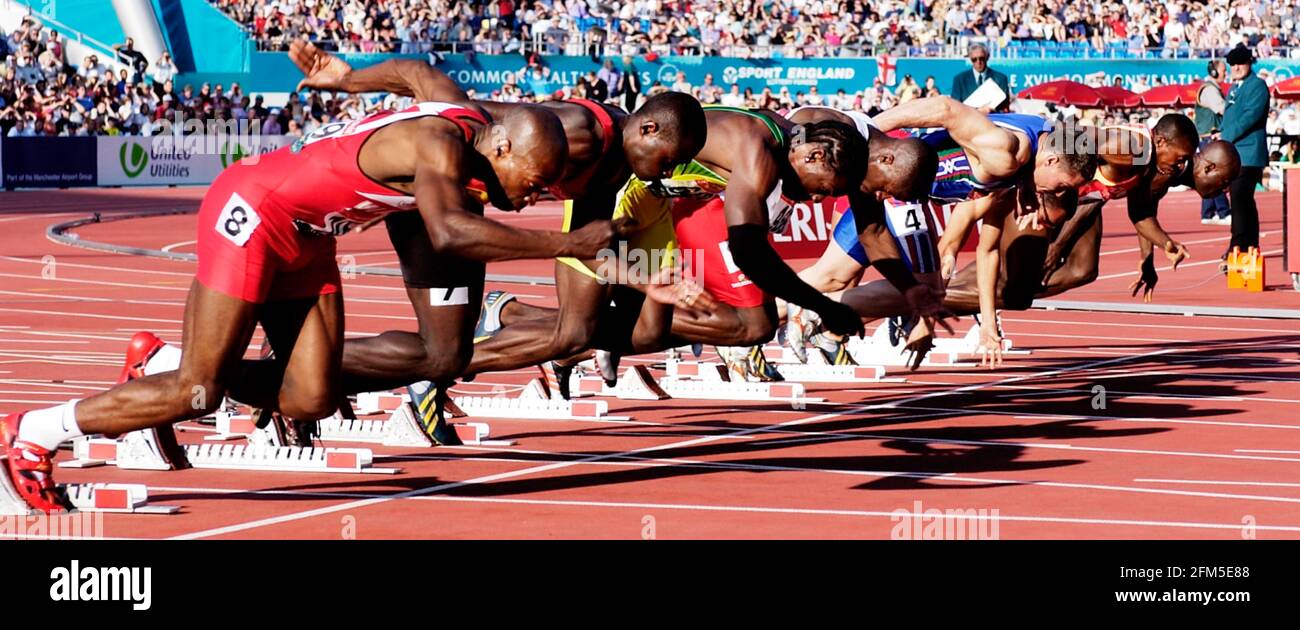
point(85, 497)
point(400, 429)
point(144, 450)
point(533, 404)
point(638, 384)
point(706, 380)
point(126, 498)
point(1246, 270)
point(371, 403)
point(232, 426)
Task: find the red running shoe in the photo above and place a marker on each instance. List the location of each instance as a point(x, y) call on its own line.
point(142, 348)
point(31, 468)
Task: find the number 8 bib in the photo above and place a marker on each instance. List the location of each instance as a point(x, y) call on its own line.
point(237, 221)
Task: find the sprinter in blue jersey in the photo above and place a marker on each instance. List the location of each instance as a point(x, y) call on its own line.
point(990, 168)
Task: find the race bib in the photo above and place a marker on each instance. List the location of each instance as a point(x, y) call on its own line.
point(779, 209)
point(905, 217)
point(237, 221)
point(451, 296)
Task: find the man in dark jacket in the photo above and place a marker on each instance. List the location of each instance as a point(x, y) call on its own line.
point(1243, 126)
point(965, 83)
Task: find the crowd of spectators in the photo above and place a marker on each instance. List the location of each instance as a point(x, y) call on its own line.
point(43, 92)
point(784, 28)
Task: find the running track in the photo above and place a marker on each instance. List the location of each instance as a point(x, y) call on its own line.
point(1199, 433)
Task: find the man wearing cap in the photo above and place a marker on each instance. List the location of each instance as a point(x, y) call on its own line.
point(1243, 125)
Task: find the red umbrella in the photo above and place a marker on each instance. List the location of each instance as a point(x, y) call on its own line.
point(1288, 89)
point(1174, 94)
point(1115, 96)
point(1063, 93)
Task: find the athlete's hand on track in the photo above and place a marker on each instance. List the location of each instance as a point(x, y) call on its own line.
point(1147, 279)
point(947, 267)
point(842, 320)
point(320, 69)
point(990, 347)
point(1176, 253)
point(919, 343)
point(927, 302)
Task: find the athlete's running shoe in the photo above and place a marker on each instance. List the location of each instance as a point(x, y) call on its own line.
point(800, 324)
point(607, 365)
point(427, 405)
point(760, 367)
point(489, 319)
point(142, 347)
point(835, 351)
point(31, 469)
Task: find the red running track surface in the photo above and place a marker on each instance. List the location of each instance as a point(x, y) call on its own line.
point(1197, 437)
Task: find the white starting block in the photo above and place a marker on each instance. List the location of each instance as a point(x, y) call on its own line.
point(85, 497)
point(637, 384)
point(707, 380)
point(947, 351)
point(141, 450)
point(400, 429)
point(232, 425)
point(371, 403)
point(129, 498)
point(533, 404)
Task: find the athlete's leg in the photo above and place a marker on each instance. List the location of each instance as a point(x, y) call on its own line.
point(1081, 261)
point(216, 331)
point(446, 294)
point(727, 325)
point(549, 334)
point(307, 336)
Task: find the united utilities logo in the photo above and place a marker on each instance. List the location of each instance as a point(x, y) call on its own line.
point(232, 152)
point(134, 158)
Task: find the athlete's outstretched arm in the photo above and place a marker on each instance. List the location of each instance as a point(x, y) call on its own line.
point(990, 148)
point(882, 249)
point(454, 230)
point(755, 176)
point(403, 77)
point(1142, 212)
point(988, 263)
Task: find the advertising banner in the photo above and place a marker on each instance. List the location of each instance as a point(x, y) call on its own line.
point(36, 162)
point(174, 160)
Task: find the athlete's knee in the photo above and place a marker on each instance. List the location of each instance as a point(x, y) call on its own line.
point(196, 395)
point(648, 338)
point(572, 337)
point(440, 363)
point(312, 404)
point(755, 332)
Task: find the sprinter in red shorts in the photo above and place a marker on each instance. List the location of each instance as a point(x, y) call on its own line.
point(266, 233)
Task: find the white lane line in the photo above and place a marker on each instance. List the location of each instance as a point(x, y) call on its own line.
point(1212, 261)
point(170, 247)
point(1218, 482)
point(893, 514)
point(1134, 250)
point(1260, 450)
point(673, 445)
point(1095, 324)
